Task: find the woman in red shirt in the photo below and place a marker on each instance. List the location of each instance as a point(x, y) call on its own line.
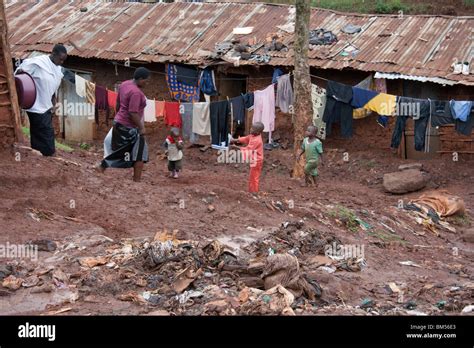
point(127, 146)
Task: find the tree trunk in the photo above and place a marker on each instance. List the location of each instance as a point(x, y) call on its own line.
point(302, 108)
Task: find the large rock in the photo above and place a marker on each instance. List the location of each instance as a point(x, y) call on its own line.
point(405, 181)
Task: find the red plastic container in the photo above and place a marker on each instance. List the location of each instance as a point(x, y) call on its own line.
point(26, 90)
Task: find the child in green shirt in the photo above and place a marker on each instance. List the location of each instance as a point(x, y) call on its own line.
point(312, 148)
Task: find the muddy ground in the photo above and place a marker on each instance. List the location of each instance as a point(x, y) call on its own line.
point(104, 226)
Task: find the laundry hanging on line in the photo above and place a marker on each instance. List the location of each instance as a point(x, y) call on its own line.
point(284, 98)
point(172, 116)
point(338, 108)
point(318, 98)
point(208, 82)
point(460, 109)
point(187, 122)
point(149, 112)
point(159, 109)
point(101, 98)
point(112, 99)
point(201, 119)
point(264, 108)
point(178, 90)
point(187, 75)
point(238, 109)
point(219, 115)
point(364, 84)
point(80, 86)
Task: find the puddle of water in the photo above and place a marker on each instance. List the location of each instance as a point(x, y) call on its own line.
point(23, 301)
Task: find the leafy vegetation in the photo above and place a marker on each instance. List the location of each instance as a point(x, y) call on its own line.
point(384, 6)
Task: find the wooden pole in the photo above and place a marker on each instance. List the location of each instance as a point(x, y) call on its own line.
point(7, 60)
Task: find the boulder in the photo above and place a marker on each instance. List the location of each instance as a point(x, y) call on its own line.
point(418, 166)
point(404, 181)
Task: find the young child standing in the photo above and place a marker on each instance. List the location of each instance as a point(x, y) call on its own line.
point(174, 145)
point(312, 148)
point(254, 153)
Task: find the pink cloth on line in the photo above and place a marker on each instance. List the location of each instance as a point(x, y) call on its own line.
point(264, 108)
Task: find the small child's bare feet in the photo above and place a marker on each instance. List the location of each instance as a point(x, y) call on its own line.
point(176, 175)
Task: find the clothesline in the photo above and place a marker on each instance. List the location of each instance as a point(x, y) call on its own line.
point(225, 78)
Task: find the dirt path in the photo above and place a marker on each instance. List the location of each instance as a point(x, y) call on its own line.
point(72, 203)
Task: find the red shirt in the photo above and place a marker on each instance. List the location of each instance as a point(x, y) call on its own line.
point(254, 147)
point(131, 99)
point(112, 98)
point(172, 115)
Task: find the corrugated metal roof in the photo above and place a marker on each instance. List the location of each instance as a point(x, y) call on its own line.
point(187, 32)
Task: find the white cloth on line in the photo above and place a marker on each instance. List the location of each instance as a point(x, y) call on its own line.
point(201, 118)
point(81, 86)
point(149, 112)
point(264, 108)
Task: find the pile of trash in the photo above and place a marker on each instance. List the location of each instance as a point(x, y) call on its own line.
point(322, 36)
point(430, 209)
point(180, 276)
point(244, 46)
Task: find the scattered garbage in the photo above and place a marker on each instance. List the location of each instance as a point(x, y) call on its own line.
point(352, 264)
point(351, 29)
point(185, 278)
point(327, 269)
point(423, 211)
point(5, 270)
point(274, 301)
point(278, 272)
point(410, 305)
point(409, 263)
point(132, 297)
point(284, 269)
point(350, 50)
point(44, 245)
point(468, 309)
point(12, 282)
point(442, 202)
point(367, 303)
point(242, 31)
point(30, 281)
point(415, 313)
point(394, 288)
point(93, 261)
point(321, 37)
point(185, 296)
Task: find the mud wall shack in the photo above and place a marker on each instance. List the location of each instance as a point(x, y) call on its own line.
point(9, 110)
point(232, 80)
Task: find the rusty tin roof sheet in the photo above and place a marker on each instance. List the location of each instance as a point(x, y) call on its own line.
point(188, 32)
